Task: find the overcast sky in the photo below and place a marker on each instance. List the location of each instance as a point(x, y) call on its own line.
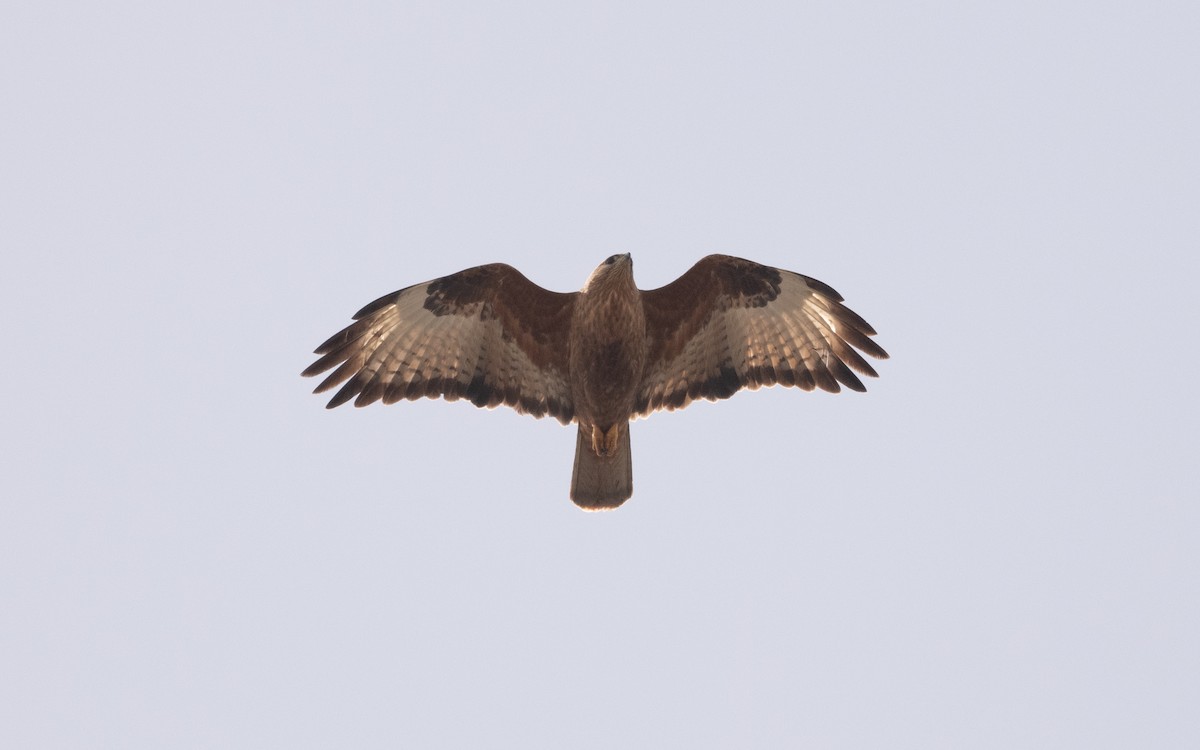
point(997, 546)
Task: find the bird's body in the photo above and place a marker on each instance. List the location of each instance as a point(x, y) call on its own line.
point(608, 350)
point(607, 359)
point(601, 356)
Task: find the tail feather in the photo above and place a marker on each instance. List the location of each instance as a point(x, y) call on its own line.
point(597, 482)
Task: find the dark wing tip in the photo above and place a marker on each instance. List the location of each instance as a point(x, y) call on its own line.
point(348, 391)
point(846, 376)
point(822, 288)
point(379, 304)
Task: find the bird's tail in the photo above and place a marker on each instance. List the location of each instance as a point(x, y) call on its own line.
point(602, 482)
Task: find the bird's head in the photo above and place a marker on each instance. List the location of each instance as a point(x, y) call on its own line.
point(616, 269)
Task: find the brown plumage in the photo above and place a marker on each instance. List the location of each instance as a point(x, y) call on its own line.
point(601, 356)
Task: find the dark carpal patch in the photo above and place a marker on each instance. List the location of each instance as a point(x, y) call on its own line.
point(459, 292)
point(749, 284)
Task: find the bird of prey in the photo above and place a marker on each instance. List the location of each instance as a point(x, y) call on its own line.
point(601, 356)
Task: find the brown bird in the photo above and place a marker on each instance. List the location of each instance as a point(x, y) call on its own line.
point(600, 356)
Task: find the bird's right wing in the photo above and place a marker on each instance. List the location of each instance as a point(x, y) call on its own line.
point(486, 334)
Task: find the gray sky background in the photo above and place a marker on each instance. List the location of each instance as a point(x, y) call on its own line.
point(996, 547)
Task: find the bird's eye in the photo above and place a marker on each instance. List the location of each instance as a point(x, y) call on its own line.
point(611, 259)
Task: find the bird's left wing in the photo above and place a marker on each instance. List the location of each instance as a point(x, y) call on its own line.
point(486, 334)
point(730, 323)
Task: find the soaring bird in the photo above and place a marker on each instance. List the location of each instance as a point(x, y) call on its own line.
point(601, 356)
